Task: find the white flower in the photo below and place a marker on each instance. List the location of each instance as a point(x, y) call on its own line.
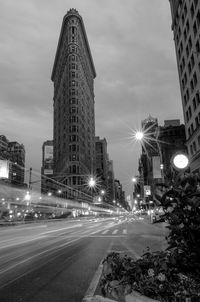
point(151, 272)
point(161, 277)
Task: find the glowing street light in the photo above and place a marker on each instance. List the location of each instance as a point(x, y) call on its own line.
point(92, 182)
point(139, 135)
point(134, 180)
point(27, 196)
point(180, 161)
point(99, 199)
point(103, 192)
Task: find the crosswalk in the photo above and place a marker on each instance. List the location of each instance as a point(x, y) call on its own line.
point(109, 232)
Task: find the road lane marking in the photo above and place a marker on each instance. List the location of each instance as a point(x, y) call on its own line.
point(57, 230)
point(24, 228)
point(51, 251)
point(85, 234)
point(124, 231)
point(115, 232)
point(104, 232)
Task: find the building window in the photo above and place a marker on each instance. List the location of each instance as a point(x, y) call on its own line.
point(197, 121)
point(197, 47)
point(192, 11)
point(190, 43)
point(195, 29)
point(189, 68)
point(185, 34)
point(195, 79)
point(194, 104)
point(187, 50)
point(194, 147)
point(198, 18)
point(197, 99)
point(190, 112)
point(199, 140)
point(191, 149)
point(191, 85)
point(187, 116)
point(192, 128)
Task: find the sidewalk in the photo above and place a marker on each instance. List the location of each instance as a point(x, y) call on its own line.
point(130, 249)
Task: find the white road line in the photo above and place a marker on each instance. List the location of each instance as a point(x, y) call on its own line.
point(115, 232)
point(104, 232)
point(124, 231)
point(69, 227)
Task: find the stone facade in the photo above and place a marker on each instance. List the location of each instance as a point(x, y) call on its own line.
point(74, 124)
point(186, 30)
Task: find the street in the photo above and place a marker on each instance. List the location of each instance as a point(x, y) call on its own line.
point(56, 261)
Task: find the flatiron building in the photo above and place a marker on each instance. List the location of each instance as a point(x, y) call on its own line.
point(73, 102)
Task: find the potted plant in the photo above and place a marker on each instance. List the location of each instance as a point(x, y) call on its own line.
point(169, 275)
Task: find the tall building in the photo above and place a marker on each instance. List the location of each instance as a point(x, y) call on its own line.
point(150, 153)
point(47, 167)
point(101, 162)
point(111, 182)
point(12, 157)
point(172, 141)
point(74, 123)
point(186, 30)
point(17, 158)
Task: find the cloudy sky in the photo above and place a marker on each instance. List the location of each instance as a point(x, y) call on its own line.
point(133, 51)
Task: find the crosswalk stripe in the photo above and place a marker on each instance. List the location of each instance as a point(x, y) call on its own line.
point(115, 232)
point(124, 231)
point(104, 232)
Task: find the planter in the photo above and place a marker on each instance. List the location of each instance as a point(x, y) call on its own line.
point(127, 280)
point(136, 297)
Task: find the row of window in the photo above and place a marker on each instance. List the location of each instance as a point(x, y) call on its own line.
point(193, 146)
point(191, 129)
point(193, 81)
point(73, 58)
point(73, 66)
point(195, 103)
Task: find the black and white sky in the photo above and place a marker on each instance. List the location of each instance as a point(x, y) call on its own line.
point(133, 51)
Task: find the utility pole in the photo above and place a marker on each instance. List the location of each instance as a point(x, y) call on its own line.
point(30, 177)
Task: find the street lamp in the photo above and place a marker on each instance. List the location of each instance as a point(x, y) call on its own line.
point(92, 184)
point(139, 135)
point(180, 161)
point(102, 192)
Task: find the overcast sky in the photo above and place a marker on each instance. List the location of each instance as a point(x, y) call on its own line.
point(133, 51)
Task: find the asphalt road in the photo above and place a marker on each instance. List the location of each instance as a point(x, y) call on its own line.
point(56, 261)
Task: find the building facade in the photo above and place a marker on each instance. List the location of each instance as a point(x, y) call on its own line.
point(74, 121)
point(12, 156)
point(186, 32)
point(172, 141)
point(149, 158)
point(111, 182)
point(101, 162)
point(47, 167)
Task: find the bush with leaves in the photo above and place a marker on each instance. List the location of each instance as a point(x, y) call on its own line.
point(181, 205)
point(170, 275)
